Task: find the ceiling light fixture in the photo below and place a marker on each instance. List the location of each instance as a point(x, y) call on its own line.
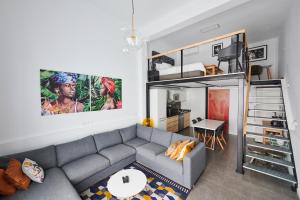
point(133, 41)
point(210, 28)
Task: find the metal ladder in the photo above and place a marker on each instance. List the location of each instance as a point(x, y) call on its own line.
point(268, 154)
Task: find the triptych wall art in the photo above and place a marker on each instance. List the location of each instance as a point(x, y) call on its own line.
point(65, 92)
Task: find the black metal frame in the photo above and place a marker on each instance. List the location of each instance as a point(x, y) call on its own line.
point(240, 129)
point(240, 76)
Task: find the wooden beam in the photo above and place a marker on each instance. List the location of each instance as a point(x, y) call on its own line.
point(199, 43)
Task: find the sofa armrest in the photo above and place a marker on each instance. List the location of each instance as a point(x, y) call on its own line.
point(194, 164)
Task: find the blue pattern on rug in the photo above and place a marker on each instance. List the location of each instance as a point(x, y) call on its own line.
point(158, 187)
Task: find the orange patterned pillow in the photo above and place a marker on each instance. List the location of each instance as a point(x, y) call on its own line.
point(178, 149)
point(172, 148)
point(6, 189)
point(186, 149)
point(15, 176)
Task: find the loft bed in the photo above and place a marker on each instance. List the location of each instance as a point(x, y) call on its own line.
point(161, 66)
point(195, 76)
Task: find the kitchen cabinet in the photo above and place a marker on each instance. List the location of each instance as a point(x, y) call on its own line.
point(172, 124)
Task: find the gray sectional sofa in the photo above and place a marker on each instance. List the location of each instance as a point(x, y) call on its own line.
point(72, 167)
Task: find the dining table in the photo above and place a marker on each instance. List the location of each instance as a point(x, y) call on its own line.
point(208, 124)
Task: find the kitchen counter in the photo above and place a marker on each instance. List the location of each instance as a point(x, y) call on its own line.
point(182, 111)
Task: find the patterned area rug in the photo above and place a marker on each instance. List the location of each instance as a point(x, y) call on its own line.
point(158, 187)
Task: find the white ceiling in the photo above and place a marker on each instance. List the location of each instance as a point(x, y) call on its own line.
point(162, 16)
point(263, 19)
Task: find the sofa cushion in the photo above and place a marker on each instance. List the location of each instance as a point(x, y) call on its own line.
point(14, 175)
point(46, 157)
point(55, 186)
point(150, 150)
point(85, 167)
point(161, 137)
point(117, 153)
point(128, 133)
point(136, 142)
point(33, 170)
point(73, 150)
point(6, 189)
point(177, 137)
point(107, 139)
point(144, 132)
point(173, 165)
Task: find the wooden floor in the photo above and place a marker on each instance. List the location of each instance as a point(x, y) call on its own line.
point(220, 181)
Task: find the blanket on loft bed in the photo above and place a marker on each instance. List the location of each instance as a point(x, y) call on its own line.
point(164, 65)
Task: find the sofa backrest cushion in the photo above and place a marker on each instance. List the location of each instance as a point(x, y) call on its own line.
point(45, 157)
point(128, 133)
point(107, 139)
point(144, 132)
point(70, 151)
point(176, 137)
point(161, 137)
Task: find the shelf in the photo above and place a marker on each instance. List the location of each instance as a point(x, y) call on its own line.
point(270, 160)
point(268, 136)
point(280, 175)
point(269, 147)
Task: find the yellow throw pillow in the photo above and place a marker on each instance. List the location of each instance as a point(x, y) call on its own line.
point(172, 148)
point(178, 149)
point(186, 149)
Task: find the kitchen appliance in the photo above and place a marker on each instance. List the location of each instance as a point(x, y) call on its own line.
point(173, 108)
point(181, 121)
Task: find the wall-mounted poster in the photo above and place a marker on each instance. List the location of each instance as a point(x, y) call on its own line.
point(64, 92)
point(258, 53)
point(106, 93)
point(218, 106)
point(216, 48)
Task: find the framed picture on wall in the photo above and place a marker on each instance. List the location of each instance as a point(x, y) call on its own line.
point(216, 48)
point(258, 53)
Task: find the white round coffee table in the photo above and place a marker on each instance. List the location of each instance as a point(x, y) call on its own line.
point(137, 182)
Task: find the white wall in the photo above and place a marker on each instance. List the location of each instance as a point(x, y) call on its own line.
point(158, 107)
point(290, 69)
point(195, 101)
point(67, 35)
point(272, 57)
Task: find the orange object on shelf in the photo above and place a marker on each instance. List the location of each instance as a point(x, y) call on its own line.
point(213, 70)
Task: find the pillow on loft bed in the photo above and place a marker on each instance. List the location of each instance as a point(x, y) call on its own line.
point(162, 66)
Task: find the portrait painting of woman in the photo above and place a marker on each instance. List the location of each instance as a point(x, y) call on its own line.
point(106, 93)
point(64, 92)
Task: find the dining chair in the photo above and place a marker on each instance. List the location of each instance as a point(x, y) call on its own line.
point(219, 137)
point(200, 132)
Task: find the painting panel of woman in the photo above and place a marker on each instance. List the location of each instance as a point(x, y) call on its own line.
point(64, 92)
